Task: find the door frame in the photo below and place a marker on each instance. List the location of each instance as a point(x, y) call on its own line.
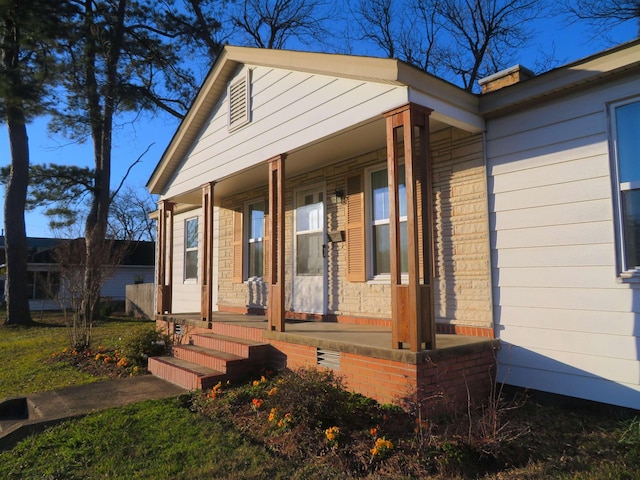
point(321, 188)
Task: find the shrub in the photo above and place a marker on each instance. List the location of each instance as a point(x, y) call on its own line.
point(317, 397)
point(138, 347)
point(105, 309)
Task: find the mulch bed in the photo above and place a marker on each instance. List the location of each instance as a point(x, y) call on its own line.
point(101, 362)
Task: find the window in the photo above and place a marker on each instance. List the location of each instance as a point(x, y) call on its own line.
point(255, 240)
point(626, 151)
point(309, 233)
point(43, 285)
point(239, 101)
point(379, 218)
point(191, 249)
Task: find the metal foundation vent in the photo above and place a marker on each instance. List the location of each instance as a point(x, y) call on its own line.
point(178, 329)
point(328, 359)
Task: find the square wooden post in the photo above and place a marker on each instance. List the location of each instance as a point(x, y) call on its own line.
point(275, 270)
point(164, 258)
point(412, 301)
point(206, 296)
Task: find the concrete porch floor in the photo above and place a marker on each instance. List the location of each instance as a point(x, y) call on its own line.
point(367, 340)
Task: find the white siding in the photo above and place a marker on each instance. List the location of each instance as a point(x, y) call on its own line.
point(114, 287)
point(186, 293)
point(44, 305)
point(566, 324)
point(288, 110)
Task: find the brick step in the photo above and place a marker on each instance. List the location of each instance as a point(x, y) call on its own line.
point(238, 346)
point(238, 331)
point(185, 374)
point(228, 363)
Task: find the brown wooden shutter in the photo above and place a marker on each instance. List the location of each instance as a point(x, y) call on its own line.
point(237, 276)
point(356, 271)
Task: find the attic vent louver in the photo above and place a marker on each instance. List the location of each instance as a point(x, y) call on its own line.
point(239, 101)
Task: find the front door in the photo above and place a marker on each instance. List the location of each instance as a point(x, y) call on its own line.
point(309, 243)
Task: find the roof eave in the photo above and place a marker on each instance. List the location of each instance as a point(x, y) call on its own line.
point(372, 69)
point(620, 60)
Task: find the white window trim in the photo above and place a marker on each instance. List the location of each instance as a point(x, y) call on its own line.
point(246, 240)
point(382, 278)
point(191, 280)
point(630, 275)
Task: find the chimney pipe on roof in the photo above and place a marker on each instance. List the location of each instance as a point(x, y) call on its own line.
point(505, 78)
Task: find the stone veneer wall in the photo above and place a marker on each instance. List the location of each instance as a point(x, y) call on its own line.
point(237, 296)
point(462, 289)
point(463, 286)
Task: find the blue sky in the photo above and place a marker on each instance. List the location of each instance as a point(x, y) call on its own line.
point(566, 42)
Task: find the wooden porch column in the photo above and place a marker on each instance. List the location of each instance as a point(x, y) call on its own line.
point(164, 257)
point(411, 302)
point(275, 261)
point(206, 296)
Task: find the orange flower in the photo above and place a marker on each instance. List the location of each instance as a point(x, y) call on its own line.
point(332, 433)
point(273, 391)
point(257, 403)
point(382, 447)
point(285, 421)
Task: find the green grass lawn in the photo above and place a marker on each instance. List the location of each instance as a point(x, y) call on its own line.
point(25, 353)
point(150, 440)
point(297, 425)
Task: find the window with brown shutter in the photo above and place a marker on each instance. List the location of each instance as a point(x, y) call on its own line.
point(254, 242)
point(355, 245)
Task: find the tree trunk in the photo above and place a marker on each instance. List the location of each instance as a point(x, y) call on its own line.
point(18, 312)
point(101, 118)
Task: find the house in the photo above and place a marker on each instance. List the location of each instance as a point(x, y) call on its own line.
point(563, 153)
point(44, 272)
point(359, 214)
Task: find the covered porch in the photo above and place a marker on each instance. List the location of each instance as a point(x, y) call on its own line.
point(351, 199)
point(345, 248)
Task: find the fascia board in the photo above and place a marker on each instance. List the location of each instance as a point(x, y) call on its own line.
point(558, 81)
point(457, 105)
point(193, 121)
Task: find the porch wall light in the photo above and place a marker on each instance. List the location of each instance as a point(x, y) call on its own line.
point(338, 196)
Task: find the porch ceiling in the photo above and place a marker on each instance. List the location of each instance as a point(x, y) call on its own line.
point(357, 140)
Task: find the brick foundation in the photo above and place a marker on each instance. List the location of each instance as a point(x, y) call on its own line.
point(443, 381)
point(438, 381)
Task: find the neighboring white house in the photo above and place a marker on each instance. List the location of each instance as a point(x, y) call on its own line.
point(361, 190)
point(44, 273)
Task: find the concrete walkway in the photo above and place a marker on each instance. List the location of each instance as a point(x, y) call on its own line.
point(22, 416)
